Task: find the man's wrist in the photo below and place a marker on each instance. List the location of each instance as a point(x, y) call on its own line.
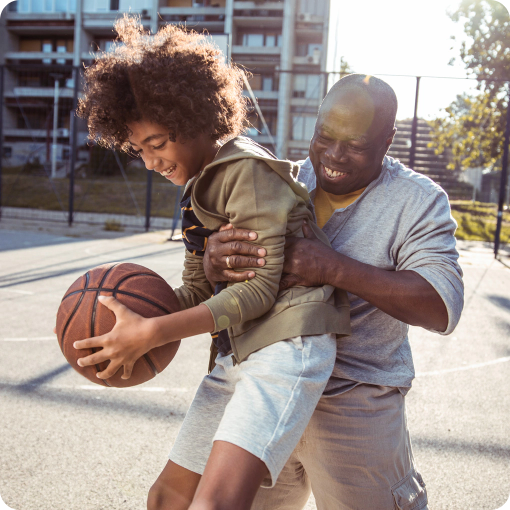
point(335, 270)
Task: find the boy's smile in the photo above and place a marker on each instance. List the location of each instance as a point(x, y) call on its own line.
point(177, 161)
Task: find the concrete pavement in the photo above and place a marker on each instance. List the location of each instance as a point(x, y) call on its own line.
point(68, 444)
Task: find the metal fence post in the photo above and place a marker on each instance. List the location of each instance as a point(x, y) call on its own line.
point(177, 210)
point(1, 133)
point(414, 130)
point(503, 183)
point(148, 200)
point(74, 135)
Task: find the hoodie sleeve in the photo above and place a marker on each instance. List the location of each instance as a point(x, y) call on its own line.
point(258, 199)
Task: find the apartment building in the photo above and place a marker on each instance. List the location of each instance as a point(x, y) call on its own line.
point(282, 43)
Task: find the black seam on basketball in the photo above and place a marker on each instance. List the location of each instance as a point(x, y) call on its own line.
point(93, 316)
point(136, 274)
point(125, 293)
point(151, 364)
point(74, 311)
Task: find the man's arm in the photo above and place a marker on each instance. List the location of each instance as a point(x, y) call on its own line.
point(405, 295)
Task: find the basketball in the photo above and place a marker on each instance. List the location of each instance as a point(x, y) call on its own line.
point(81, 316)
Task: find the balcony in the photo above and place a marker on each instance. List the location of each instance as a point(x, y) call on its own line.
point(198, 18)
point(36, 133)
point(310, 60)
point(256, 50)
point(101, 23)
point(39, 92)
point(255, 12)
point(38, 55)
point(258, 14)
point(61, 23)
point(263, 94)
point(305, 101)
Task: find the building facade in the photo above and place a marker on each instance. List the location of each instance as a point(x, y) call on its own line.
point(283, 44)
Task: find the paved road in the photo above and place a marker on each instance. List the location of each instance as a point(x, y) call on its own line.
point(67, 444)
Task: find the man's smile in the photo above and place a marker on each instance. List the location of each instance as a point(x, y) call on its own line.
point(333, 174)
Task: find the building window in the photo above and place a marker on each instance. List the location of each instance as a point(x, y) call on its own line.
point(267, 83)
point(308, 50)
point(46, 6)
point(303, 127)
point(7, 152)
point(307, 86)
point(270, 39)
point(315, 7)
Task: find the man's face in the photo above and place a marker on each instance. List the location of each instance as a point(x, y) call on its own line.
point(349, 142)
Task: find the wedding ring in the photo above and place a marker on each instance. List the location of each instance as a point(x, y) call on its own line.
point(228, 263)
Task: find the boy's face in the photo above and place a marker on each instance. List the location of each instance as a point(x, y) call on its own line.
point(177, 161)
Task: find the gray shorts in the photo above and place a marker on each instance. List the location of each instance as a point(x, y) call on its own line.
point(262, 405)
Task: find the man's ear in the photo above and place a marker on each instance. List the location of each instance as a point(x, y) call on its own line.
point(389, 139)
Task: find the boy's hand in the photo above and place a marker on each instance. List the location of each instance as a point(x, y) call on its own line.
point(123, 345)
point(232, 243)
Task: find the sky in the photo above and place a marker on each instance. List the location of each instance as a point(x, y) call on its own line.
point(403, 37)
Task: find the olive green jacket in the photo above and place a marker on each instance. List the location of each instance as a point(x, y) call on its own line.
point(246, 186)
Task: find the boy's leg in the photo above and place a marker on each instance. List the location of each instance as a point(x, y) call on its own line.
point(174, 488)
point(231, 479)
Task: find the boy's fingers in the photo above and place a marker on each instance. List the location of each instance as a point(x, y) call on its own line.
point(93, 359)
point(88, 343)
point(55, 330)
point(110, 371)
point(112, 304)
point(128, 370)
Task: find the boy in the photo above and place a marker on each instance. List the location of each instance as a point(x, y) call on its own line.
point(171, 100)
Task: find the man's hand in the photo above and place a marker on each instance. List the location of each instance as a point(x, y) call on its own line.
point(234, 243)
point(306, 261)
point(123, 345)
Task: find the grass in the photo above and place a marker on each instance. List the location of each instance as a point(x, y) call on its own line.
point(477, 221)
point(105, 195)
point(113, 226)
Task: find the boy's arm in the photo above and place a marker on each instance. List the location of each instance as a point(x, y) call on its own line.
point(195, 288)
point(257, 198)
point(133, 335)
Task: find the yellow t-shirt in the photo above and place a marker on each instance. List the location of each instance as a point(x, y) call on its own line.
point(326, 203)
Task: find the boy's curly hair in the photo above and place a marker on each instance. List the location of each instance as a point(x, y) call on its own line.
point(174, 78)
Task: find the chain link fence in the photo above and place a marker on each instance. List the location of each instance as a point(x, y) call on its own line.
point(51, 171)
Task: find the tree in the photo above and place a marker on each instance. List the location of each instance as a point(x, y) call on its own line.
point(473, 126)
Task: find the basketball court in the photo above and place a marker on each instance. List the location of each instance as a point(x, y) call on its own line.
point(66, 443)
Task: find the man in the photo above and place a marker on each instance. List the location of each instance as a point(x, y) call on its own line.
point(393, 251)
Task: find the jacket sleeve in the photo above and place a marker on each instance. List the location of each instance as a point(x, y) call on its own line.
point(428, 248)
point(257, 198)
point(196, 288)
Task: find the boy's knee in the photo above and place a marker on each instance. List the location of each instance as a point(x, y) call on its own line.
point(162, 497)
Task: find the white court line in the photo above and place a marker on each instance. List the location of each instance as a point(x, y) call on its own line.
point(468, 367)
point(24, 292)
point(88, 387)
point(26, 339)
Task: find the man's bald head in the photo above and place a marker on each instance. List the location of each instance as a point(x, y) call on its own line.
point(353, 133)
point(375, 93)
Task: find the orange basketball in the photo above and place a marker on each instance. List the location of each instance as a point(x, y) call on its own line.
point(81, 316)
